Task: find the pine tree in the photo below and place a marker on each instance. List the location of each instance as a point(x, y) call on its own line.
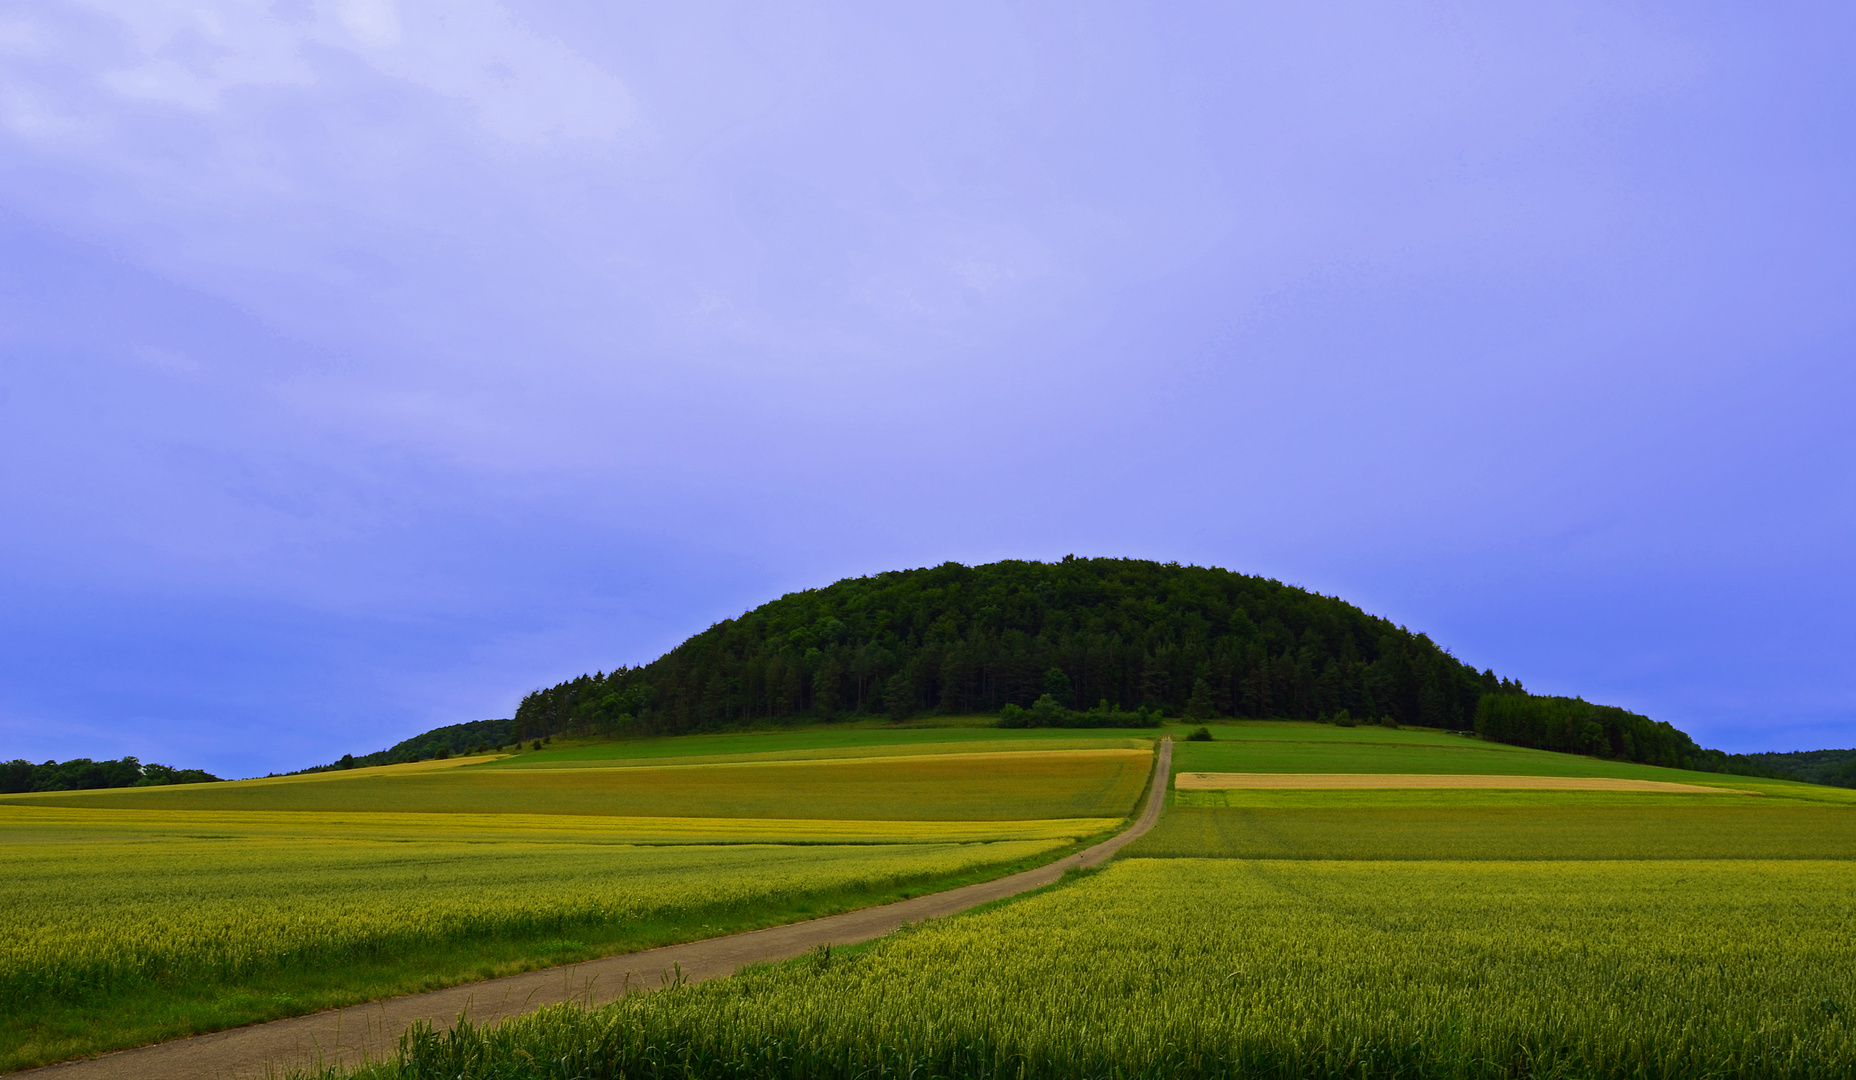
point(1199, 705)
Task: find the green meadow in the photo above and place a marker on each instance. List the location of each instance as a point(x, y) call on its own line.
point(1301, 747)
point(211, 906)
point(971, 734)
point(1300, 932)
point(1506, 830)
point(1234, 968)
point(1360, 934)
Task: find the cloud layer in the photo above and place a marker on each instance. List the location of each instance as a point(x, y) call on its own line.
point(368, 363)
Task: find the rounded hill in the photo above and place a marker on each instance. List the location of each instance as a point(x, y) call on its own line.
point(957, 639)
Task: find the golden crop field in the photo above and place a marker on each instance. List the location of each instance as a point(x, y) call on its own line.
point(1223, 968)
point(61, 825)
point(1076, 783)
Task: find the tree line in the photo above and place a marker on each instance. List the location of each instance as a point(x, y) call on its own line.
point(1576, 726)
point(470, 737)
point(1102, 637)
point(1834, 767)
point(83, 774)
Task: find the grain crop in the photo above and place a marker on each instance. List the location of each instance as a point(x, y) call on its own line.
point(1219, 968)
point(159, 904)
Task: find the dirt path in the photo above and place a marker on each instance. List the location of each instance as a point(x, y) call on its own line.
point(370, 1032)
point(1200, 781)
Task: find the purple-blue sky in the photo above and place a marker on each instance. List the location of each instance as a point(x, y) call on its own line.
point(367, 363)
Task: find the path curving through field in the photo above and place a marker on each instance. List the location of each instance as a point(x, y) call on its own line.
point(371, 1031)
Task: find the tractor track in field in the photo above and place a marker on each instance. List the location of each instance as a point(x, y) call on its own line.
point(370, 1032)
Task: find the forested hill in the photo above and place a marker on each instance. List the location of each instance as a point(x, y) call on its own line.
point(1184, 640)
point(472, 737)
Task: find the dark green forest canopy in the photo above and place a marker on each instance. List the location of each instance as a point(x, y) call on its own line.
point(83, 774)
point(1136, 634)
point(1837, 767)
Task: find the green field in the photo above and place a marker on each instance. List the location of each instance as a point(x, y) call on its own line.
point(1541, 831)
point(866, 738)
point(1284, 933)
point(1300, 747)
point(133, 915)
point(1235, 968)
point(923, 786)
point(1317, 933)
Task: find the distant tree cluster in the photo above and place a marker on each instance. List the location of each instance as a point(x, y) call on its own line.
point(1575, 726)
point(82, 774)
point(1834, 767)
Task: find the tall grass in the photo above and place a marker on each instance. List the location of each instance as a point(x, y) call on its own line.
point(210, 910)
point(149, 929)
point(1213, 968)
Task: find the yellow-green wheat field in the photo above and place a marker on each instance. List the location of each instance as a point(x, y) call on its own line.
point(1230, 968)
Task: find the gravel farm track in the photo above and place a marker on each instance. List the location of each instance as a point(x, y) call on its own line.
point(370, 1032)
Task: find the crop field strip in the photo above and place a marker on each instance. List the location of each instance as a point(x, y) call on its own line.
point(1228, 968)
point(22, 826)
point(1470, 798)
point(546, 760)
point(835, 741)
point(1204, 781)
point(944, 787)
point(1535, 831)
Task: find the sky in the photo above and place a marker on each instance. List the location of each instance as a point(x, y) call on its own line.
point(365, 364)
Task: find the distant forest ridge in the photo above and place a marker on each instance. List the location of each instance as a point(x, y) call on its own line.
point(1837, 767)
point(82, 774)
point(465, 738)
point(1080, 638)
